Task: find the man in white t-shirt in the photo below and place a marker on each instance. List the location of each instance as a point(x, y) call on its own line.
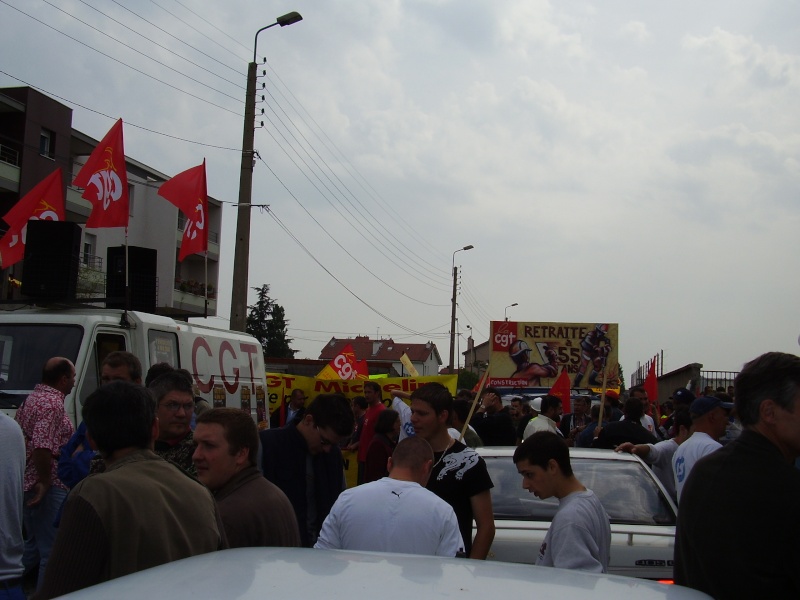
point(396, 513)
point(548, 418)
point(709, 421)
point(659, 456)
point(579, 536)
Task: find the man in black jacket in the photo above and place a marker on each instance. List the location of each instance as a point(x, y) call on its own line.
point(737, 533)
point(630, 429)
point(492, 421)
point(308, 449)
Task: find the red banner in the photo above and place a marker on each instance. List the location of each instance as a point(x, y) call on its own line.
point(561, 389)
point(44, 202)
point(189, 192)
point(105, 181)
point(651, 384)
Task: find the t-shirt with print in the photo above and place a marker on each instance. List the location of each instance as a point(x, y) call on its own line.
point(458, 474)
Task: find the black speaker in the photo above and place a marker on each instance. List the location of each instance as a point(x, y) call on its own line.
point(52, 259)
point(142, 279)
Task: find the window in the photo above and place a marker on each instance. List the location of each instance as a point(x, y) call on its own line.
point(47, 143)
point(163, 347)
point(89, 250)
point(104, 344)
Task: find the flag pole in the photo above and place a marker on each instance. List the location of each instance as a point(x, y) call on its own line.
point(127, 282)
point(205, 287)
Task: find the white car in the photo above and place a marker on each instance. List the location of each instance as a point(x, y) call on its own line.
point(641, 511)
point(305, 573)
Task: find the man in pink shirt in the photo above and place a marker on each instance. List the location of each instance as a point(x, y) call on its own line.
point(46, 427)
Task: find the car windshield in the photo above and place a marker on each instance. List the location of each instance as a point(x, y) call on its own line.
point(627, 491)
point(23, 351)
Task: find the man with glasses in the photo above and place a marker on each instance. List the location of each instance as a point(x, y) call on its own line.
point(303, 459)
point(175, 405)
point(287, 412)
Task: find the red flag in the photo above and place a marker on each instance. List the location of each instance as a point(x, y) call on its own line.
point(105, 181)
point(561, 389)
point(651, 384)
point(188, 191)
point(45, 201)
point(345, 366)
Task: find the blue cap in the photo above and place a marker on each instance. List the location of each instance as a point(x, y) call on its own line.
point(683, 396)
point(705, 404)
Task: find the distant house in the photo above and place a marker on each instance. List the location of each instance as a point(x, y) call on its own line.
point(424, 357)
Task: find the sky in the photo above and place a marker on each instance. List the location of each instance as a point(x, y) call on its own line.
point(614, 161)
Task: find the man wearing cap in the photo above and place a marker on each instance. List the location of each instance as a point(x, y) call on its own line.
point(737, 528)
point(709, 421)
point(548, 416)
point(682, 399)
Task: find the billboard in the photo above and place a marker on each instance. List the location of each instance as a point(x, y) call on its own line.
point(533, 354)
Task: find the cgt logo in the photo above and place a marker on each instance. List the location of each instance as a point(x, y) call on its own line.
point(504, 336)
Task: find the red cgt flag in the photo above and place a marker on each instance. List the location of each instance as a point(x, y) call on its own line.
point(45, 201)
point(651, 384)
point(561, 389)
point(105, 181)
point(189, 192)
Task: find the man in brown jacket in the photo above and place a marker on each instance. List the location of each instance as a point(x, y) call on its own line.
point(254, 511)
point(141, 512)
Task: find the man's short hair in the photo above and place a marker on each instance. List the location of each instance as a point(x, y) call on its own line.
point(775, 376)
point(549, 402)
point(120, 358)
point(239, 429)
point(682, 416)
point(543, 446)
point(461, 409)
point(177, 380)
point(374, 386)
point(360, 402)
point(333, 411)
point(490, 390)
point(412, 453)
point(385, 422)
point(156, 371)
point(436, 395)
point(633, 409)
point(52, 375)
point(637, 388)
point(465, 394)
point(120, 415)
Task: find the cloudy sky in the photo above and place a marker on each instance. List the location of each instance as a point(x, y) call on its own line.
point(631, 162)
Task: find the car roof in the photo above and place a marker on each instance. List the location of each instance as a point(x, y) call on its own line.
point(249, 573)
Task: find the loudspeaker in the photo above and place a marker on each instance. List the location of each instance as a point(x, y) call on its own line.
point(142, 279)
point(52, 259)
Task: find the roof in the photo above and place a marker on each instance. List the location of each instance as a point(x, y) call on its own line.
point(386, 350)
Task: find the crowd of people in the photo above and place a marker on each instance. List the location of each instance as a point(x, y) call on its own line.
point(153, 474)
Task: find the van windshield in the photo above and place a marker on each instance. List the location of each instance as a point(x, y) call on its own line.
point(24, 349)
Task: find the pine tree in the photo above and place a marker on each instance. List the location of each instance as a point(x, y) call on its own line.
point(266, 321)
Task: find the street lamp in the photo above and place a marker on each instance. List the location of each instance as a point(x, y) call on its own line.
point(241, 253)
point(506, 310)
point(453, 313)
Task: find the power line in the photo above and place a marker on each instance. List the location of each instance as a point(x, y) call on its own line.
point(212, 25)
point(335, 241)
point(336, 279)
point(102, 114)
point(119, 61)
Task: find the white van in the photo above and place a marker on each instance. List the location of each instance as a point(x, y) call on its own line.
point(227, 366)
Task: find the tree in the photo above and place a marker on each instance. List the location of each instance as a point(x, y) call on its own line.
point(266, 321)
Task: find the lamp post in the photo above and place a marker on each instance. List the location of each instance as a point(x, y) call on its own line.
point(453, 313)
point(241, 253)
point(506, 310)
